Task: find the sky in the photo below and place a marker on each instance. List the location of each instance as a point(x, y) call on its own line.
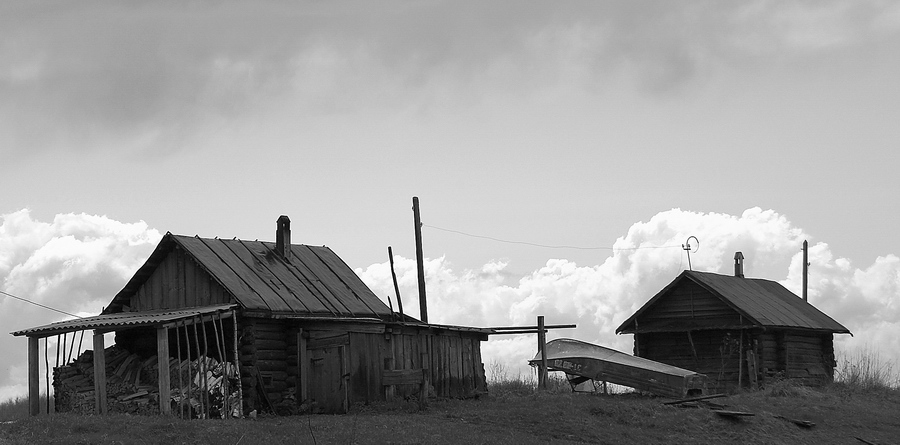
point(598, 126)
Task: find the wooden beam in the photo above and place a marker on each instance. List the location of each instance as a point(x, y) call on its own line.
point(99, 374)
point(162, 359)
point(534, 328)
point(34, 378)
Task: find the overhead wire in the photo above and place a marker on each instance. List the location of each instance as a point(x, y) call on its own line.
point(38, 304)
point(546, 246)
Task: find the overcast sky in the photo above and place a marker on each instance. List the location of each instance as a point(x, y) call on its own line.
point(750, 125)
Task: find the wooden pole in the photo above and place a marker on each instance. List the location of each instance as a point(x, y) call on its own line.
point(237, 363)
point(190, 375)
point(47, 372)
point(162, 361)
point(180, 377)
point(542, 346)
point(34, 378)
point(99, 374)
point(396, 287)
point(205, 368)
point(200, 397)
point(219, 333)
point(420, 261)
point(805, 269)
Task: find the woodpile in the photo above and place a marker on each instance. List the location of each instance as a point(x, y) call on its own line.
point(133, 385)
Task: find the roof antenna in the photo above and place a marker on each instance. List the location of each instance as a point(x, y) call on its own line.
point(687, 248)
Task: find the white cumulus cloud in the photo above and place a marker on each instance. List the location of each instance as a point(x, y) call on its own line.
point(75, 264)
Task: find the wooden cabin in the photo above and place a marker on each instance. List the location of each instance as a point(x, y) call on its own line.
point(302, 328)
point(740, 332)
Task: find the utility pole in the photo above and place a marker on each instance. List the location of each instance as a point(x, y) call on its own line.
point(420, 262)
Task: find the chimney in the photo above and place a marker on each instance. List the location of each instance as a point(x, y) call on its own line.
point(283, 238)
point(739, 265)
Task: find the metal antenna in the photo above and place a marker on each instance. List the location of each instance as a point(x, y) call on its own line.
point(687, 248)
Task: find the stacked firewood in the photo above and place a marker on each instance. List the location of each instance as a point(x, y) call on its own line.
point(132, 385)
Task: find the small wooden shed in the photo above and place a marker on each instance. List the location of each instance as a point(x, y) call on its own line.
point(304, 331)
point(738, 331)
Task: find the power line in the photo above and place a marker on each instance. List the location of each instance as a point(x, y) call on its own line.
point(546, 246)
point(38, 304)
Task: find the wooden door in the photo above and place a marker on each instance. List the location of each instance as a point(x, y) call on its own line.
point(328, 374)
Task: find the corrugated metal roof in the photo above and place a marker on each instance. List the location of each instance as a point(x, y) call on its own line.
point(764, 302)
point(315, 281)
point(121, 320)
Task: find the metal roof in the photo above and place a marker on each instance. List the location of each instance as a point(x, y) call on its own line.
point(765, 303)
point(315, 281)
point(122, 320)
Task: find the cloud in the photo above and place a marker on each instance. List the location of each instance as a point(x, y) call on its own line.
point(75, 264)
point(93, 76)
point(598, 298)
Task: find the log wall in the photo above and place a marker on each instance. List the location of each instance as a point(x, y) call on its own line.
point(806, 357)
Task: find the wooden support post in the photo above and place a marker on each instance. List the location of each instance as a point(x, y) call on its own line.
point(303, 363)
point(219, 334)
point(420, 261)
point(237, 362)
point(99, 374)
point(162, 360)
point(180, 377)
point(345, 379)
point(34, 378)
point(542, 346)
point(740, 361)
point(47, 373)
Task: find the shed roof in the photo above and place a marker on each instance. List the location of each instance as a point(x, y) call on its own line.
point(764, 303)
point(122, 320)
point(315, 281)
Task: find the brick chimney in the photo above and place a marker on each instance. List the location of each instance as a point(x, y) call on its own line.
point(283, 238)
point(739, 265)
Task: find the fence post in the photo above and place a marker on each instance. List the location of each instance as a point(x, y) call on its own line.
point(542, 346)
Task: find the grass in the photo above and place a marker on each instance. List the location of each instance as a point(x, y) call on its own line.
point(510, 418)
point(864, 369)
point(515, 412)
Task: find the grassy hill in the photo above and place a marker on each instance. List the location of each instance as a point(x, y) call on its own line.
point(514, 414)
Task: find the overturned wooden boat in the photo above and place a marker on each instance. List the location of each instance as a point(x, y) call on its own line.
point(581, 361)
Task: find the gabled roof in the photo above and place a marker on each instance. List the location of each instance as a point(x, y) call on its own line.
point(314, 282)
point(764, 303)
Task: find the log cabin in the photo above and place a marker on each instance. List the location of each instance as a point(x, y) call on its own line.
point(302, 330)
point(740, 332)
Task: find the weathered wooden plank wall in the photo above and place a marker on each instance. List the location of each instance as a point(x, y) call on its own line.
point(689, 303)
point(452, 359)
point(178, 282)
